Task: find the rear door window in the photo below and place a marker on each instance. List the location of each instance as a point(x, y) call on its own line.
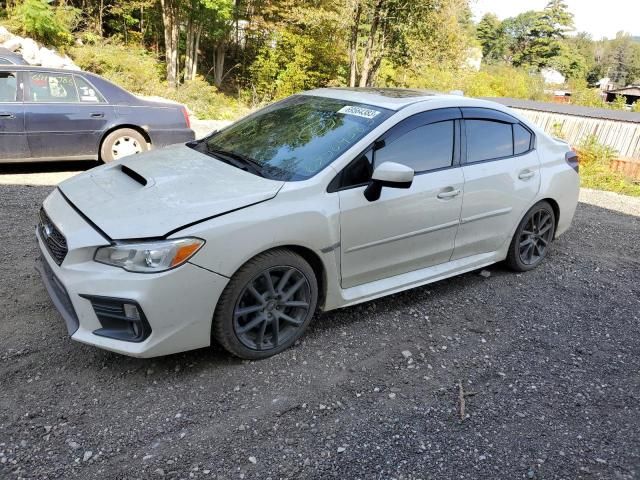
point(87, 92)
point(487, 140)
point(8, 87)
point(50, 87)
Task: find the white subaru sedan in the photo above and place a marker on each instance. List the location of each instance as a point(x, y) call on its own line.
point(323, 200)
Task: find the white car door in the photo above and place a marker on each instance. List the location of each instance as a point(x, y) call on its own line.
point(502, 177)
point(405, 229)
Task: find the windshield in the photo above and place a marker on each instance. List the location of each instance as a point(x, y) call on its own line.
point(296, 138)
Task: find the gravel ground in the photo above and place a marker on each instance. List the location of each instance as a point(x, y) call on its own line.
point(548, 361)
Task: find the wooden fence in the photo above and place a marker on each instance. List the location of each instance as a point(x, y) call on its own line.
point(624, 137)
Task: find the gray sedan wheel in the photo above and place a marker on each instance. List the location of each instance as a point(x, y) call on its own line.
point(267, 305)
point(122, 143)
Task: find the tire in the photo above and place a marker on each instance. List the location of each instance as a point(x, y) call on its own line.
point(122, 142)
point(256, 317)
point(532, 239)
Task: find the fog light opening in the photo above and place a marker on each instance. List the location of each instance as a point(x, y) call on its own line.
point(131, 311)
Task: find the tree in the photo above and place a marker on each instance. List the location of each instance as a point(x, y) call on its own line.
point(492, 37)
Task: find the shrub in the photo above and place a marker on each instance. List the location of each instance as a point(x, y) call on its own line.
point(134, 69)
point(37, 19)
point(595, 168)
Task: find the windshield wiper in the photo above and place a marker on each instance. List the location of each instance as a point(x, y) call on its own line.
point(237, 159)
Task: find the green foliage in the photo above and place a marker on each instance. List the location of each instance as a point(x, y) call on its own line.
point(491, 36)
point(37, 19)
point(131, 67)
point(490, 81)
point(596, 172)
point(300, 54)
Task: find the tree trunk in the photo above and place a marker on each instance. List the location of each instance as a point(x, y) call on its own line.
point(353, 45)
point(218, 70)
point(171, 37)
point(196, 47)
point(367, 62)
point(188, 54)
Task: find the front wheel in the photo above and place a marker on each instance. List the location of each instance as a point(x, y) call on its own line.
point(266, 306)
point(122, 143)
point(531, 242)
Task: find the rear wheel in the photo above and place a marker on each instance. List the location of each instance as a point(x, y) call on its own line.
point(531, 242)
point(122, 143)
point(267, 305)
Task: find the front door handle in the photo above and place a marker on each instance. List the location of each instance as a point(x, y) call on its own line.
point(97, 115)
point(449, 193)
point(7, 115)
point(526, 174)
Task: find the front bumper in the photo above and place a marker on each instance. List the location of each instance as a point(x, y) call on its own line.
point(178, 304)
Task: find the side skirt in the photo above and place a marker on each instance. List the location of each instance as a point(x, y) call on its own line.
point(417, 278)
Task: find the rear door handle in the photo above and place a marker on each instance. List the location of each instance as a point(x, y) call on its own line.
point(449, 193)
point(526, 174)
point(7, 115)
point(97, 115)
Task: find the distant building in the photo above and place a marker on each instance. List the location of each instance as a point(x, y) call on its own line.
point(631, 94)
point(552, 76)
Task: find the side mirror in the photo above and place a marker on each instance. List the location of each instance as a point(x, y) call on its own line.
point(388, 174)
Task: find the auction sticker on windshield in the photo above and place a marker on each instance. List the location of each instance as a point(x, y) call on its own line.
point(359, 111)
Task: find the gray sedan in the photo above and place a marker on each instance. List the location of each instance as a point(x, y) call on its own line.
point(52, 114)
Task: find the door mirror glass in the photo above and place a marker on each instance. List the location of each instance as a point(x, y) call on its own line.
point(388, 174)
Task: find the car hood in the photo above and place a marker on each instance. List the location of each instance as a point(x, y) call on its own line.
point(154, 193)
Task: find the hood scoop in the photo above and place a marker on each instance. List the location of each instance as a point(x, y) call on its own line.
point(134, 175)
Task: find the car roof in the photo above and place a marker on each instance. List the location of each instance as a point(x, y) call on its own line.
point(390, 98)
point(40, 69)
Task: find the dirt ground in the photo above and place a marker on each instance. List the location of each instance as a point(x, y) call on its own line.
point(548, 360)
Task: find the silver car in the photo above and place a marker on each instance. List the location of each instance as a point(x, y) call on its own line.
point(323, 200)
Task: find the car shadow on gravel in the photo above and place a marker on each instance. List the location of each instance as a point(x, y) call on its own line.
point(46, 167)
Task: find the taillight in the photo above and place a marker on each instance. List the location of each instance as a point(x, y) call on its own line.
point(572, 159)
point(185, 114)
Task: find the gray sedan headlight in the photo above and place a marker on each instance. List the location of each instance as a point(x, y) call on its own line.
point(149, 257)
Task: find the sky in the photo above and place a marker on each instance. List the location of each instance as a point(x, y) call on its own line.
point(599, 18)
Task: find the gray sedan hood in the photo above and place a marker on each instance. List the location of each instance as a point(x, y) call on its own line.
point(154, 193)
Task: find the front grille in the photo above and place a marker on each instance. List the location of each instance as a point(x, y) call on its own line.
point(52, 238)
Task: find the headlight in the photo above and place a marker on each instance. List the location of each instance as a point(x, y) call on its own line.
point(149, 257)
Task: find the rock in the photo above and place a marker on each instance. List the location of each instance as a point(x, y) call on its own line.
point(87, 455)
point(341, 449)
point(485, 273)
point(4, 34)
point(13, 43)
point(407, 354)
point(147, 457)
point(159, 471)
point(30, 51)
point(74, 445)
point(23, 443)
point(392, 395)
point(253, 460)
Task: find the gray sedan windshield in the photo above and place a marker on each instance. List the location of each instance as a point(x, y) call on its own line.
point(296, 138)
